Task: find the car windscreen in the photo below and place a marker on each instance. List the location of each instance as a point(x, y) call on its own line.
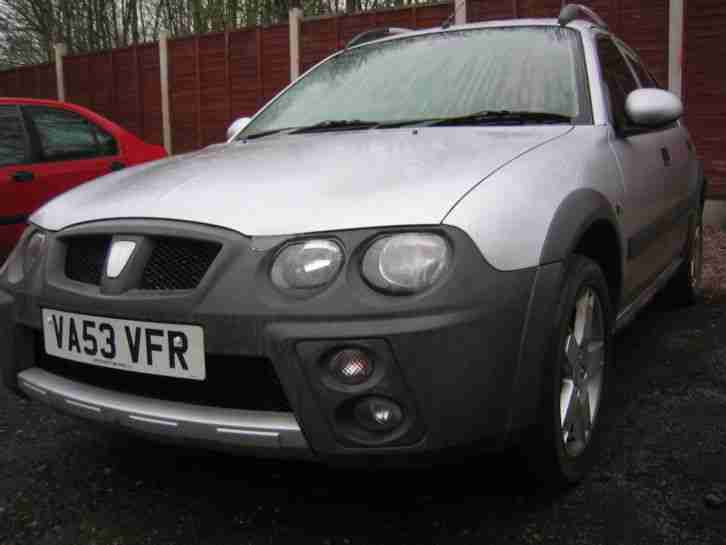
point(437, 75)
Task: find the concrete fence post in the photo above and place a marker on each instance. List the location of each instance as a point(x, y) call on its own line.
point(295, 19)
point(460, 12)
point(164, 78)
point(675, 46)
point(60, 51)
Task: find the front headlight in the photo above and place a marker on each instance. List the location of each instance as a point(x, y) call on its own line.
point(306, 265)
point(34, 250)
point(406, 263)
point(24, 256)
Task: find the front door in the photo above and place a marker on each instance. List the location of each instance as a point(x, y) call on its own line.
point(643, 163)
point(71, 149)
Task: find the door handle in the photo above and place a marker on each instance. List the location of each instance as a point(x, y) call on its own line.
point(117, 165)
point(666, 156)
point(23, 176)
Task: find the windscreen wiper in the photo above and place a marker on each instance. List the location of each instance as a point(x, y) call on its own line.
point(337, 124)
point(507, 117)
point(265, 133)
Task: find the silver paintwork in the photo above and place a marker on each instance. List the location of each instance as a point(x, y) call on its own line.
point(312, 182)
point(628, 313)
point(501, 185)
point(582, 372)
point(653, 107)
point(208, 425)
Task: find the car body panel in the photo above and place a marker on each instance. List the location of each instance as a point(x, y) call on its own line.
point(365, 181)
point(495, 211)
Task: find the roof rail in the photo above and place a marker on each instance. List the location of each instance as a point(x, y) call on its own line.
point(375, 34)
point(570, 12)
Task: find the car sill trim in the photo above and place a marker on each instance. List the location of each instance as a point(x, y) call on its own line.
point(629, 312)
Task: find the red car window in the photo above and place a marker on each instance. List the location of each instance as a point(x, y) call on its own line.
point(13, 144)
point(66, 135)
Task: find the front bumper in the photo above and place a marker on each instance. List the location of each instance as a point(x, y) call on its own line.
point(462, 360)
point(258, 430)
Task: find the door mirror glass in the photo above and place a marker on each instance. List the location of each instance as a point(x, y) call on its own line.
point(237, 126)
point(653, 108)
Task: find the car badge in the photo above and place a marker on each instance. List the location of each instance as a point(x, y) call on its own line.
point(118, 257)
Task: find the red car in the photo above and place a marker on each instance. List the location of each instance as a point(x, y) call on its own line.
point(48, 147)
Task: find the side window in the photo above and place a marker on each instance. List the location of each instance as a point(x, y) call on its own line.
point(66, 135)
point(106, 143)
point(13, 147)
point(618, 78)
point(646, 80)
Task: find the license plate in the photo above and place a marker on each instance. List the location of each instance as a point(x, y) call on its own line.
point(170, 350)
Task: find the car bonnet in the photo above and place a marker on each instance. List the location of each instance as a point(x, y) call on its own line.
point(287, 184)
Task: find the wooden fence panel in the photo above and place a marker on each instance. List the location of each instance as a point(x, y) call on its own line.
point(275, 60)
point(705, 86)
point(184, 90)
point(149, 87)
point(214, 88)
point(245, 76)
point(127, 97)
point(37, 81)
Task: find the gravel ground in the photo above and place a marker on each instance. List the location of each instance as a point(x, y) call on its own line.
point(660, 478)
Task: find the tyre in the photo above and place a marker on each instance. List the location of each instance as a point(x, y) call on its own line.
point(684, 287)
point(564, 443)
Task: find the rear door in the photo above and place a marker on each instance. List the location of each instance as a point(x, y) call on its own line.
point(70, 149)
point(642, 165)
point(18, 194)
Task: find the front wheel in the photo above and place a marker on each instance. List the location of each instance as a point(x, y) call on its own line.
point(575, 376)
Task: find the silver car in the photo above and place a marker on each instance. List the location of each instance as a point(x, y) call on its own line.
point(424, 243)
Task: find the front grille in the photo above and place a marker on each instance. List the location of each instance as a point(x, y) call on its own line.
point(233, 382)
point(178, 264)
point(174, 264)
point(85, 258)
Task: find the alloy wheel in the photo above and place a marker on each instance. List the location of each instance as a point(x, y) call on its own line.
point(582, 372)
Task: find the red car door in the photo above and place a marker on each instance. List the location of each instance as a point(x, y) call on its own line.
point(71, 149)
point(19, 195)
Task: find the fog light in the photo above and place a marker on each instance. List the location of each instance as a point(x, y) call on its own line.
point(378, 414)
point(351, 366)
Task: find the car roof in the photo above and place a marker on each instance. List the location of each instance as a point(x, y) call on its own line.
point(37, 101)
point(580, 25)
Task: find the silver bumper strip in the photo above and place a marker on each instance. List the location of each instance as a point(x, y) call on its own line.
point(225, 427)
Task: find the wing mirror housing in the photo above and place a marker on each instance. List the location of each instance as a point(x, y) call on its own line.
point(653, 108)
point(237, 126)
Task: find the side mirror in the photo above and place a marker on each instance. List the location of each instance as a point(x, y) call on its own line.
point(237, 126)
point(653, 108)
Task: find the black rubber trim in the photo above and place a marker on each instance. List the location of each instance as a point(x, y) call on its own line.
point(538, 329)
point(454, 347)
point(14, 220)
point(572, 218)
point(641, 241)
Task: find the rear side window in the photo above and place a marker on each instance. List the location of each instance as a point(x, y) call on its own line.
point(13, 145)
point(618, 78)
point(66, 135)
